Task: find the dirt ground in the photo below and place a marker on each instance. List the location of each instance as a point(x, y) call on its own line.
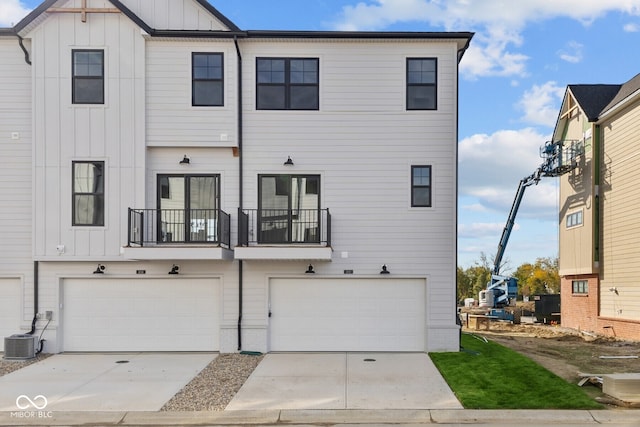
point(567, 352)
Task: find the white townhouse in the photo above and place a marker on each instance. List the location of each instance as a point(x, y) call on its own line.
point(170, 182)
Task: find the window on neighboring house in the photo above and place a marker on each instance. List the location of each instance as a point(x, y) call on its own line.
point(289, 208)
point(422, 79)
point(189, 207)
point(574, 219)
point(580, 287)
point(421, 186)
point(287, 84)
point(88, 193)
point(207, 80)
point(88, 76)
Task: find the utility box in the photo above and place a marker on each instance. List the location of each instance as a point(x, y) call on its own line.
point(547, 308)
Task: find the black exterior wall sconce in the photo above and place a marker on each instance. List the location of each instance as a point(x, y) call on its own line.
point(185, 160)
point(384, 270)
point(289, 162)
point(174, 269)
point(99, 269)
point(310, 270)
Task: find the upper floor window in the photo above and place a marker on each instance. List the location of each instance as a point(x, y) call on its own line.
point(88, 193)
point(420, 186)
point(207, 79)
point(574, 219)
point(287, 84)
point(88, 76)
point(422, 79)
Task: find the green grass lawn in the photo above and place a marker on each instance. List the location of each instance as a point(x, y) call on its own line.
point(491, 376)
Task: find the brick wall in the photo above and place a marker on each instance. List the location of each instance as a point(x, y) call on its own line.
point(580, 311)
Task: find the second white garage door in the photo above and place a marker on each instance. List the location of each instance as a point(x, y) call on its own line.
point(347, 314)
point(108, 314)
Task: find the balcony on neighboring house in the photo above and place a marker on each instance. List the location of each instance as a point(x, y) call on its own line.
point(175, 234)
point(285, 234)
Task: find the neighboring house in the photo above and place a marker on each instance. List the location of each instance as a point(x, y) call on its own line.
point(599, 225)
point(169, 182)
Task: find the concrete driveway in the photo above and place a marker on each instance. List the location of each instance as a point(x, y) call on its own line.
point(100, 382)
point(345, 381)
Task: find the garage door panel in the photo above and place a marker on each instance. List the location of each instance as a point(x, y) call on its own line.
point(141, 314)
point(347, 315)
point(10, 307)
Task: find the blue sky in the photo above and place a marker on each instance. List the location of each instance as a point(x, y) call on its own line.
point(513, 77)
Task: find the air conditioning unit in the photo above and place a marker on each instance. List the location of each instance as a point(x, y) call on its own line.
point(20, 346)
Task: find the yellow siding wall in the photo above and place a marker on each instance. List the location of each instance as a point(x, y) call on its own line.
point(620, 196)
point(576, 195)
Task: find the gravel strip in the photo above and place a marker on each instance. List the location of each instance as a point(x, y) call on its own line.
point(8, 366)
point(214, 387)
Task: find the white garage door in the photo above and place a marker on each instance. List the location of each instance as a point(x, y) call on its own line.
point(347, 315)
point(10, 303)
point(107, 314)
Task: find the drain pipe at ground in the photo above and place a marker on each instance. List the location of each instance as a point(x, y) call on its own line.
point(240, 187)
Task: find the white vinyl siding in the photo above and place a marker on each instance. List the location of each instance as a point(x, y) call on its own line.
point(172, 119)
point(175, 15)
point(15, 184)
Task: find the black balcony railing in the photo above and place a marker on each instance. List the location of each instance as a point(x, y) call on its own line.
point(284, 226)
point(169, 226)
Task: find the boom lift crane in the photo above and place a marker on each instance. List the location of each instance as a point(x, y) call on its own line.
point(559, 158)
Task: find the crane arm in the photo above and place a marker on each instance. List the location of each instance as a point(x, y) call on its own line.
point(532, 179)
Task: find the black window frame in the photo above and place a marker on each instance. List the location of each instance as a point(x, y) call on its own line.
point(195, 80)
point(77, 78)
point(411, 85)
point(415, 186)
point(98, 194)
point(287, 85)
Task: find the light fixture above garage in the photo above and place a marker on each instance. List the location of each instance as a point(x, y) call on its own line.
point(310, 270)
point(289, 162)
point(185, 160)
point(174, 269)
point(384, 270)
point(99, 269)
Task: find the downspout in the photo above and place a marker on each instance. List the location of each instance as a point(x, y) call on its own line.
point(240, 186)
point(36, 288)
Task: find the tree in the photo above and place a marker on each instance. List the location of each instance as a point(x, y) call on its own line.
point(540, 278)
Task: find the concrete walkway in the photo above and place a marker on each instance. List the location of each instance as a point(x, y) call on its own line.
point(100, 382)
point(345, 381)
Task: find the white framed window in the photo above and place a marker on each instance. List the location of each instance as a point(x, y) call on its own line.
point(574, 219)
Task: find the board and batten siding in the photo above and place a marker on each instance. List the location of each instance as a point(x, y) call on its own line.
point(363, 147)
point(172, 120)
point(620, 246)
point(576, 195)
point(16, 266)
point(112, 132)
point(173, 15)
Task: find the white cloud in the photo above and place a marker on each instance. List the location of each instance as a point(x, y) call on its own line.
point(11, 12)
point(573, 52)
point(541, 104)
point(481, 229)
point(498, 24)
point(631, 28)
point(491, 167)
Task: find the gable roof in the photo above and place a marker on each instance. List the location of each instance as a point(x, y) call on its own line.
point(593, 98)
point(126, 11)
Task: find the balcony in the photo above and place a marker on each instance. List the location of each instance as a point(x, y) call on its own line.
point(175, 234)
point(292, 234)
